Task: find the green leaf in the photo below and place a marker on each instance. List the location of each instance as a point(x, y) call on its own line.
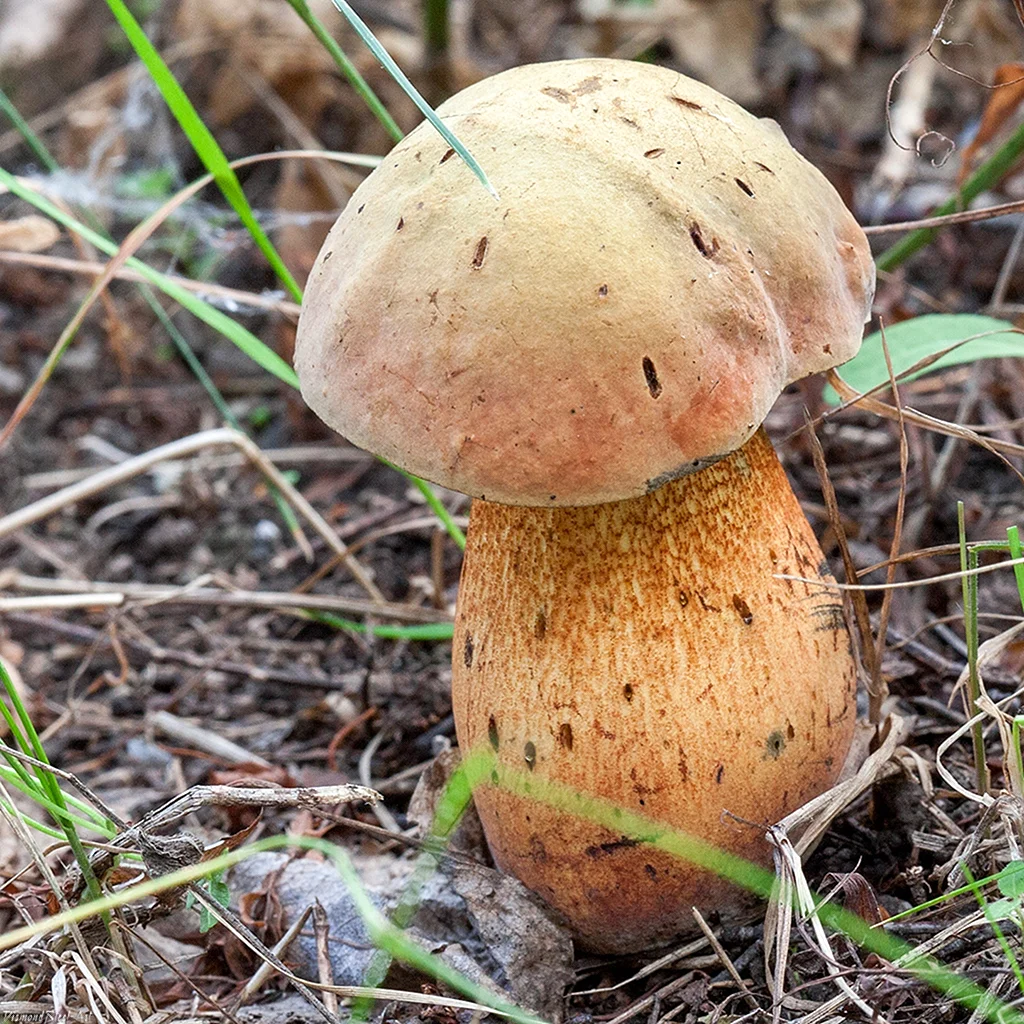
point(1011, 879)
point(1001, 909)
point(912, 341)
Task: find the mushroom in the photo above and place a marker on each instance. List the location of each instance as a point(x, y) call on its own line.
point(591, 358)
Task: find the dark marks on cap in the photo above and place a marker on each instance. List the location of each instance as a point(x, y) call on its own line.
point(540, 624)
point(592, 83)
point(447, 156)
point(467, 651)
point(604, 849)
point(774, 745)
point(562, 95)
point(701, 244)
point(492, 732)
point(652, 154)
point(651, 377)
point(481, 253)
point(744, 187)
point(565, 736)
point(742, 609)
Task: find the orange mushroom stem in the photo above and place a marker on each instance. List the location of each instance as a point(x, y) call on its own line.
point(650, 652)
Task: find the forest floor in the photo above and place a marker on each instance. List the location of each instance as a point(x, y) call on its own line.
point(200, 675)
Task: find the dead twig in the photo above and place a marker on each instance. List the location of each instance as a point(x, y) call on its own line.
point(118, 474)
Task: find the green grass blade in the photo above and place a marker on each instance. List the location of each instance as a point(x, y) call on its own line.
point(42, 154)
point(985, 177)
point(255, 349)
point(32, 791)
point(436, 26)
point(348, 69)
point(48, 784)
point(374, 46)
point(1013, 536)
point(381, 931)
point(423, 631)
point(435, 503)
point(213, 392)
point(969, 583)
point(203, 142)
point(993, 923)
point(482, 767)
point(246, 341)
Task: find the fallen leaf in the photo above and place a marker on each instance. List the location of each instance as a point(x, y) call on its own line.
point(31, 233)
point(831, 29)
point(1006, 96)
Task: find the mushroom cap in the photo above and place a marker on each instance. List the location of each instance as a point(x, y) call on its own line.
point(659, 266)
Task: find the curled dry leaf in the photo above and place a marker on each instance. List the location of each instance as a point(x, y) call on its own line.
point(31, 233)
point(1005, 98)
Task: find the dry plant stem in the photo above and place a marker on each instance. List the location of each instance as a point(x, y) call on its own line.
point(861, 616)
point(140, 651)
point(851, 397)
point(325, 974)
point(227, 919)
point(653, 967)
point(23, 835)
point(725, 959)
point(64, 265)
point(945, 220)
point(155, 593)
point(1009, 265)
point(266, 970)
point(645, 652)
point(187, 982)
point(126, 250)
point(635, 1009)
point(50, 602)
point(205, 439)
point(788, 865)
point(297, 455)
point(880, 687)
point(203, 739)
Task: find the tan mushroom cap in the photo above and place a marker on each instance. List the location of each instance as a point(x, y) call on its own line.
point(659, 265)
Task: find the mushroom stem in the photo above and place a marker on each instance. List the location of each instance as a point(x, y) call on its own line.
point(646, 651)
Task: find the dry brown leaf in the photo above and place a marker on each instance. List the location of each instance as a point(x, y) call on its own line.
point(898, 22)
point(302, 189)
point(1006, 97)
point(718, 42)
point(858, 896)
point(31, 233)
point(831, 29)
